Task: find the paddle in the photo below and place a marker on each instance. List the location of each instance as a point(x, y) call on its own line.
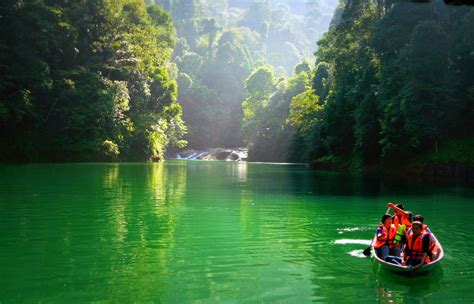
point(366, 251)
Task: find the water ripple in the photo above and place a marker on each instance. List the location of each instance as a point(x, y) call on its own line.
point(353, 241)
point(207, 233)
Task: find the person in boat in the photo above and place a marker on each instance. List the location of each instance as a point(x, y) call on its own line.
point(401, 217)
point(401, 237)
point(386, 233)
point(421, 219)
point(417, 247)
point(402, 221)
point(425, 230)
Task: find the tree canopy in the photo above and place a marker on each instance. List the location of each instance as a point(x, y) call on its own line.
point(87, 80)
point(220, 43)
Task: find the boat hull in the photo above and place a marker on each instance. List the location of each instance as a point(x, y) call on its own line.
point(408, 270)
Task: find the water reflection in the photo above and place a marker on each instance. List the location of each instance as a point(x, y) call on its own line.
point(356, 184)
point(111, 176)
point(117, 197)
point(393, 288)
point(238, 172)
point(211, 232)
point(144, 208)
point(278, 239)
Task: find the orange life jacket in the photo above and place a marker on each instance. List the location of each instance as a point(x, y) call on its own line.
point(414, 247)
point(432, 248)
point(389, 235)
point(401, 220)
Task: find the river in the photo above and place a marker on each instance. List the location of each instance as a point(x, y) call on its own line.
point(216, 232)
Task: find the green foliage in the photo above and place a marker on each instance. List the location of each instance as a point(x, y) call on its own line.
point(303, 67)
point(257, 15)
point(386, 82)
point(185, 9)
point(266, 128)
point(86, 80)
point(219, 43)
point(259, 84)
point(452, 151)
point(425, 103)
point(305, 112)
point(111, 149)
point(322, 81)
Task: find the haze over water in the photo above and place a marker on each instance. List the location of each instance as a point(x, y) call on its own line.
point(216, 232)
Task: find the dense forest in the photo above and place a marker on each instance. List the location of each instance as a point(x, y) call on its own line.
point(393, 85)
point(221, 42)
point(98, 80)
point(87, 81)
point(338, 84)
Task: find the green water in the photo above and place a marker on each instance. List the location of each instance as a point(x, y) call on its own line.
point(216, 232)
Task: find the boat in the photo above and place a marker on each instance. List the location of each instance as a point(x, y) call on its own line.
point(408, 270)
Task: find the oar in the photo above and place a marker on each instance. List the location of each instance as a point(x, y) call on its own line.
point(366, 251)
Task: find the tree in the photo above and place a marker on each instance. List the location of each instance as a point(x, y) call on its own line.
point(86, 81)
point(426, 102)
point(258, 13)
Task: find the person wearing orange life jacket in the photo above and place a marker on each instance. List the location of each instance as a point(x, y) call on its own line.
point(425, 230)
point(384, 242)
point(417, 247)
point(401, 217)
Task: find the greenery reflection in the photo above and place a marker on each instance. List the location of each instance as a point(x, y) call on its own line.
point(394, 288)
point(143, 221)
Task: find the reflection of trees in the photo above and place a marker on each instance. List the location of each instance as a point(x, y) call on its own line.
point(250, 230)
point(144, 202)
point(392, 288)
point(110, 175)
point(116, 197)
point(277, 238)
point(237, 172)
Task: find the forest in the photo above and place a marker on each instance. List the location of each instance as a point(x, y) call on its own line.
point(355, 84)
point(392, 87)
point(87, 81)
point(220, 43)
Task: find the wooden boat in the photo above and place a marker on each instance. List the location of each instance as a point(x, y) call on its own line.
point(408, 270)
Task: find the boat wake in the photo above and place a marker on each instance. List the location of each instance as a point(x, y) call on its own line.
point(353, 241)
point(358, 253)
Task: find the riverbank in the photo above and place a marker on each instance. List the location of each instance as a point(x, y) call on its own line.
point(453, 163)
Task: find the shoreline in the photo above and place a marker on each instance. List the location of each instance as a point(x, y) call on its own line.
point(449, 173)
